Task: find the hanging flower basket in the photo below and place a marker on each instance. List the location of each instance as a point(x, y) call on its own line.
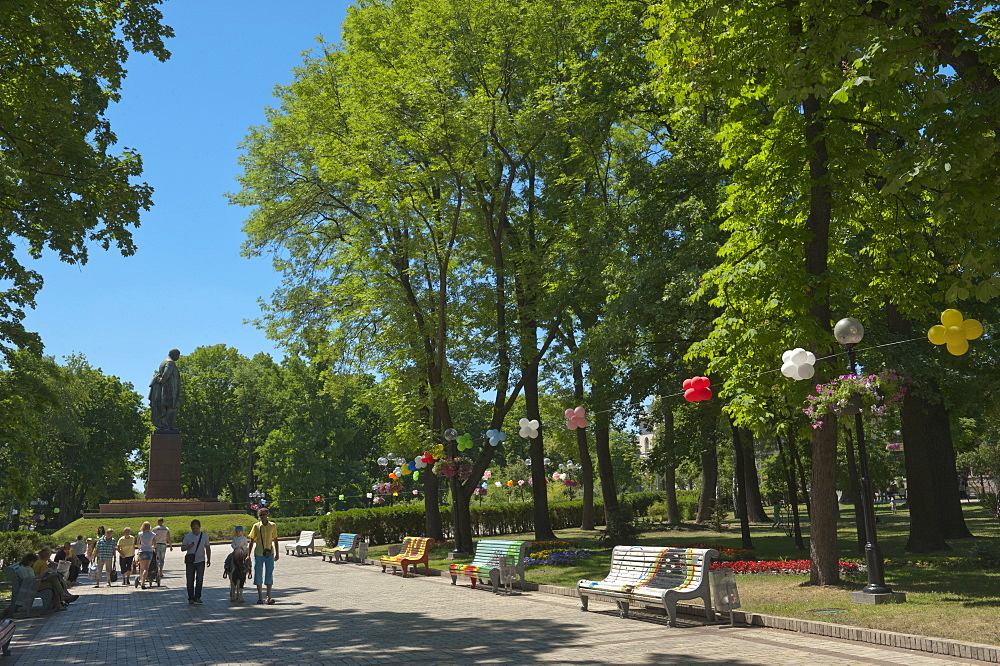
point(457, 466)
point(856, 394)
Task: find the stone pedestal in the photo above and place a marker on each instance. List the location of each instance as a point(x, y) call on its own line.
point(164, 481)
point(861, 597)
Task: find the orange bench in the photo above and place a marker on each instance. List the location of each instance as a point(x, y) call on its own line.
point(415, 550)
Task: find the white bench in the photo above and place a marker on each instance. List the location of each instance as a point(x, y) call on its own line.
point(654, 576)
point(306, 544)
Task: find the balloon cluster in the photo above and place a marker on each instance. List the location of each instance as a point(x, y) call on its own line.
point(464, 442)
point(576, 418)
point(496, 437)
point(529, 429)
point(798, 364)
point(696, 389)
point(955, 332)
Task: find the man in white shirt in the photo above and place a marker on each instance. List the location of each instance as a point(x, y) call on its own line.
point(163, 540)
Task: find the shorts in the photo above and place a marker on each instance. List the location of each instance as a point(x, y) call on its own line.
point(146, 556)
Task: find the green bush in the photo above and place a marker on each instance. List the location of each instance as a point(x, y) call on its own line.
point(390, 524)
point(15, 545)
point(986, 555)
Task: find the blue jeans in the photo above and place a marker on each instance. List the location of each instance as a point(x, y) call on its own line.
point(265, 564)
point(195, 577)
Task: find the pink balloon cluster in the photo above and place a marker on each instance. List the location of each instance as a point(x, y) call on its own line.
point(576, 418)
point(696, 389)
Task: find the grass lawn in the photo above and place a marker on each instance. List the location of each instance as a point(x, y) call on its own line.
point(942, 600)
point(218, 526)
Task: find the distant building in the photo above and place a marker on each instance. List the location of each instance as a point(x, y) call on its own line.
point(645, 443)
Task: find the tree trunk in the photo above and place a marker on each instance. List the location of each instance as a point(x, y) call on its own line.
point(739, 460)
point(709, 481)
point(852, 473)
point(605, 468)
point(432, 512)
point(539, 491)
point(823, 525)
point(926, 533)
point(951, 520)
point(670, 470)
point(755, 506)
point(800, 468)
point(583, 450)
point(793, 495)
point(463, 530)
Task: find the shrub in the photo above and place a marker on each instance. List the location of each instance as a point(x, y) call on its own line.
point(986, 555)
point(15, 545)
point(391, 523)
point(988, 501)
point(623, 530)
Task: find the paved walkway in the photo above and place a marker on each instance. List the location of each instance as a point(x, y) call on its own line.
point(351, 614)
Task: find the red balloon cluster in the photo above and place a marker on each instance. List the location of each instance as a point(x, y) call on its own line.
point(317, 499)
point(428, 458)
point(696, 389)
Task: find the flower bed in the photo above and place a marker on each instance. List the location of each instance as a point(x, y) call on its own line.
point(779, 567)
point(558, 558)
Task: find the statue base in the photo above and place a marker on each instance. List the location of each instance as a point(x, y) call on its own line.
point(164, 479)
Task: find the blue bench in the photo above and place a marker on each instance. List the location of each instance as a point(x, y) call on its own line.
point(347, 547)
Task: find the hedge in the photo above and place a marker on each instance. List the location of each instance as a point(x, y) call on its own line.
point(15, 545)
point(390, 524)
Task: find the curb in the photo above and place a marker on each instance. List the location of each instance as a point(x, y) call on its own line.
point(942, 646)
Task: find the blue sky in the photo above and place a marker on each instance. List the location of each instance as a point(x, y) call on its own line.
point(187, 286)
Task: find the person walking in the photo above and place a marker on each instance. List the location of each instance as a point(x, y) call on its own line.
point(79, 549)
point(163, 541)
point(199, 555)
point(104, 555)
point(147, 551)
point(126, 552)
point(264, 546)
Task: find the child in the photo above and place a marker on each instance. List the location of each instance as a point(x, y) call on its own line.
point(240, 541)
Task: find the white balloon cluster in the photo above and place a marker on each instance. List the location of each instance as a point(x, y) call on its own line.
point(529, 429)
point(798, 363)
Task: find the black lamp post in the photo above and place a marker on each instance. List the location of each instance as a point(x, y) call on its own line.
point(849, 332)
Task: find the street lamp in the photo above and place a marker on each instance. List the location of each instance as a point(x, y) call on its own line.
point(257, 498)
point(849, 332)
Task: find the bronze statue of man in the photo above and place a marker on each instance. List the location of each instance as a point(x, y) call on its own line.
point(165, 393)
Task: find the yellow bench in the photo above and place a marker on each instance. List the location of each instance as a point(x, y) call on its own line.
point(415, 550)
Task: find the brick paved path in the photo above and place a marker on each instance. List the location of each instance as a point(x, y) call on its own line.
point(349, 614)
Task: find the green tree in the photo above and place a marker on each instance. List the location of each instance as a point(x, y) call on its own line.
point(61, 64)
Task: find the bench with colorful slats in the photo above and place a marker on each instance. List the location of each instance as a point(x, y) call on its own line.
point(485, 565)
point(415, 550)
point(654, 576)
point(347, 547)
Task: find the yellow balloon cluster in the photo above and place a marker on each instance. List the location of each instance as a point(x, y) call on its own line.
point(955, 332)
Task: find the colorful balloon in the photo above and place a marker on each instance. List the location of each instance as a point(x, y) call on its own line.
point(696, 389)
point(576, 418)
point(954, 332)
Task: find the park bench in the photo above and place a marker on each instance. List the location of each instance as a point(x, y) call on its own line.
point(485, 565)
point(654, 576)
point(347, 547)
point(306, 543)
point(415, 550)
point(23, 594)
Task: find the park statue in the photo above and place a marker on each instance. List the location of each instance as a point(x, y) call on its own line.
point(165, 393)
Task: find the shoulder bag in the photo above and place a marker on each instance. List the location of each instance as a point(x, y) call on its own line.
point(189, 558)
